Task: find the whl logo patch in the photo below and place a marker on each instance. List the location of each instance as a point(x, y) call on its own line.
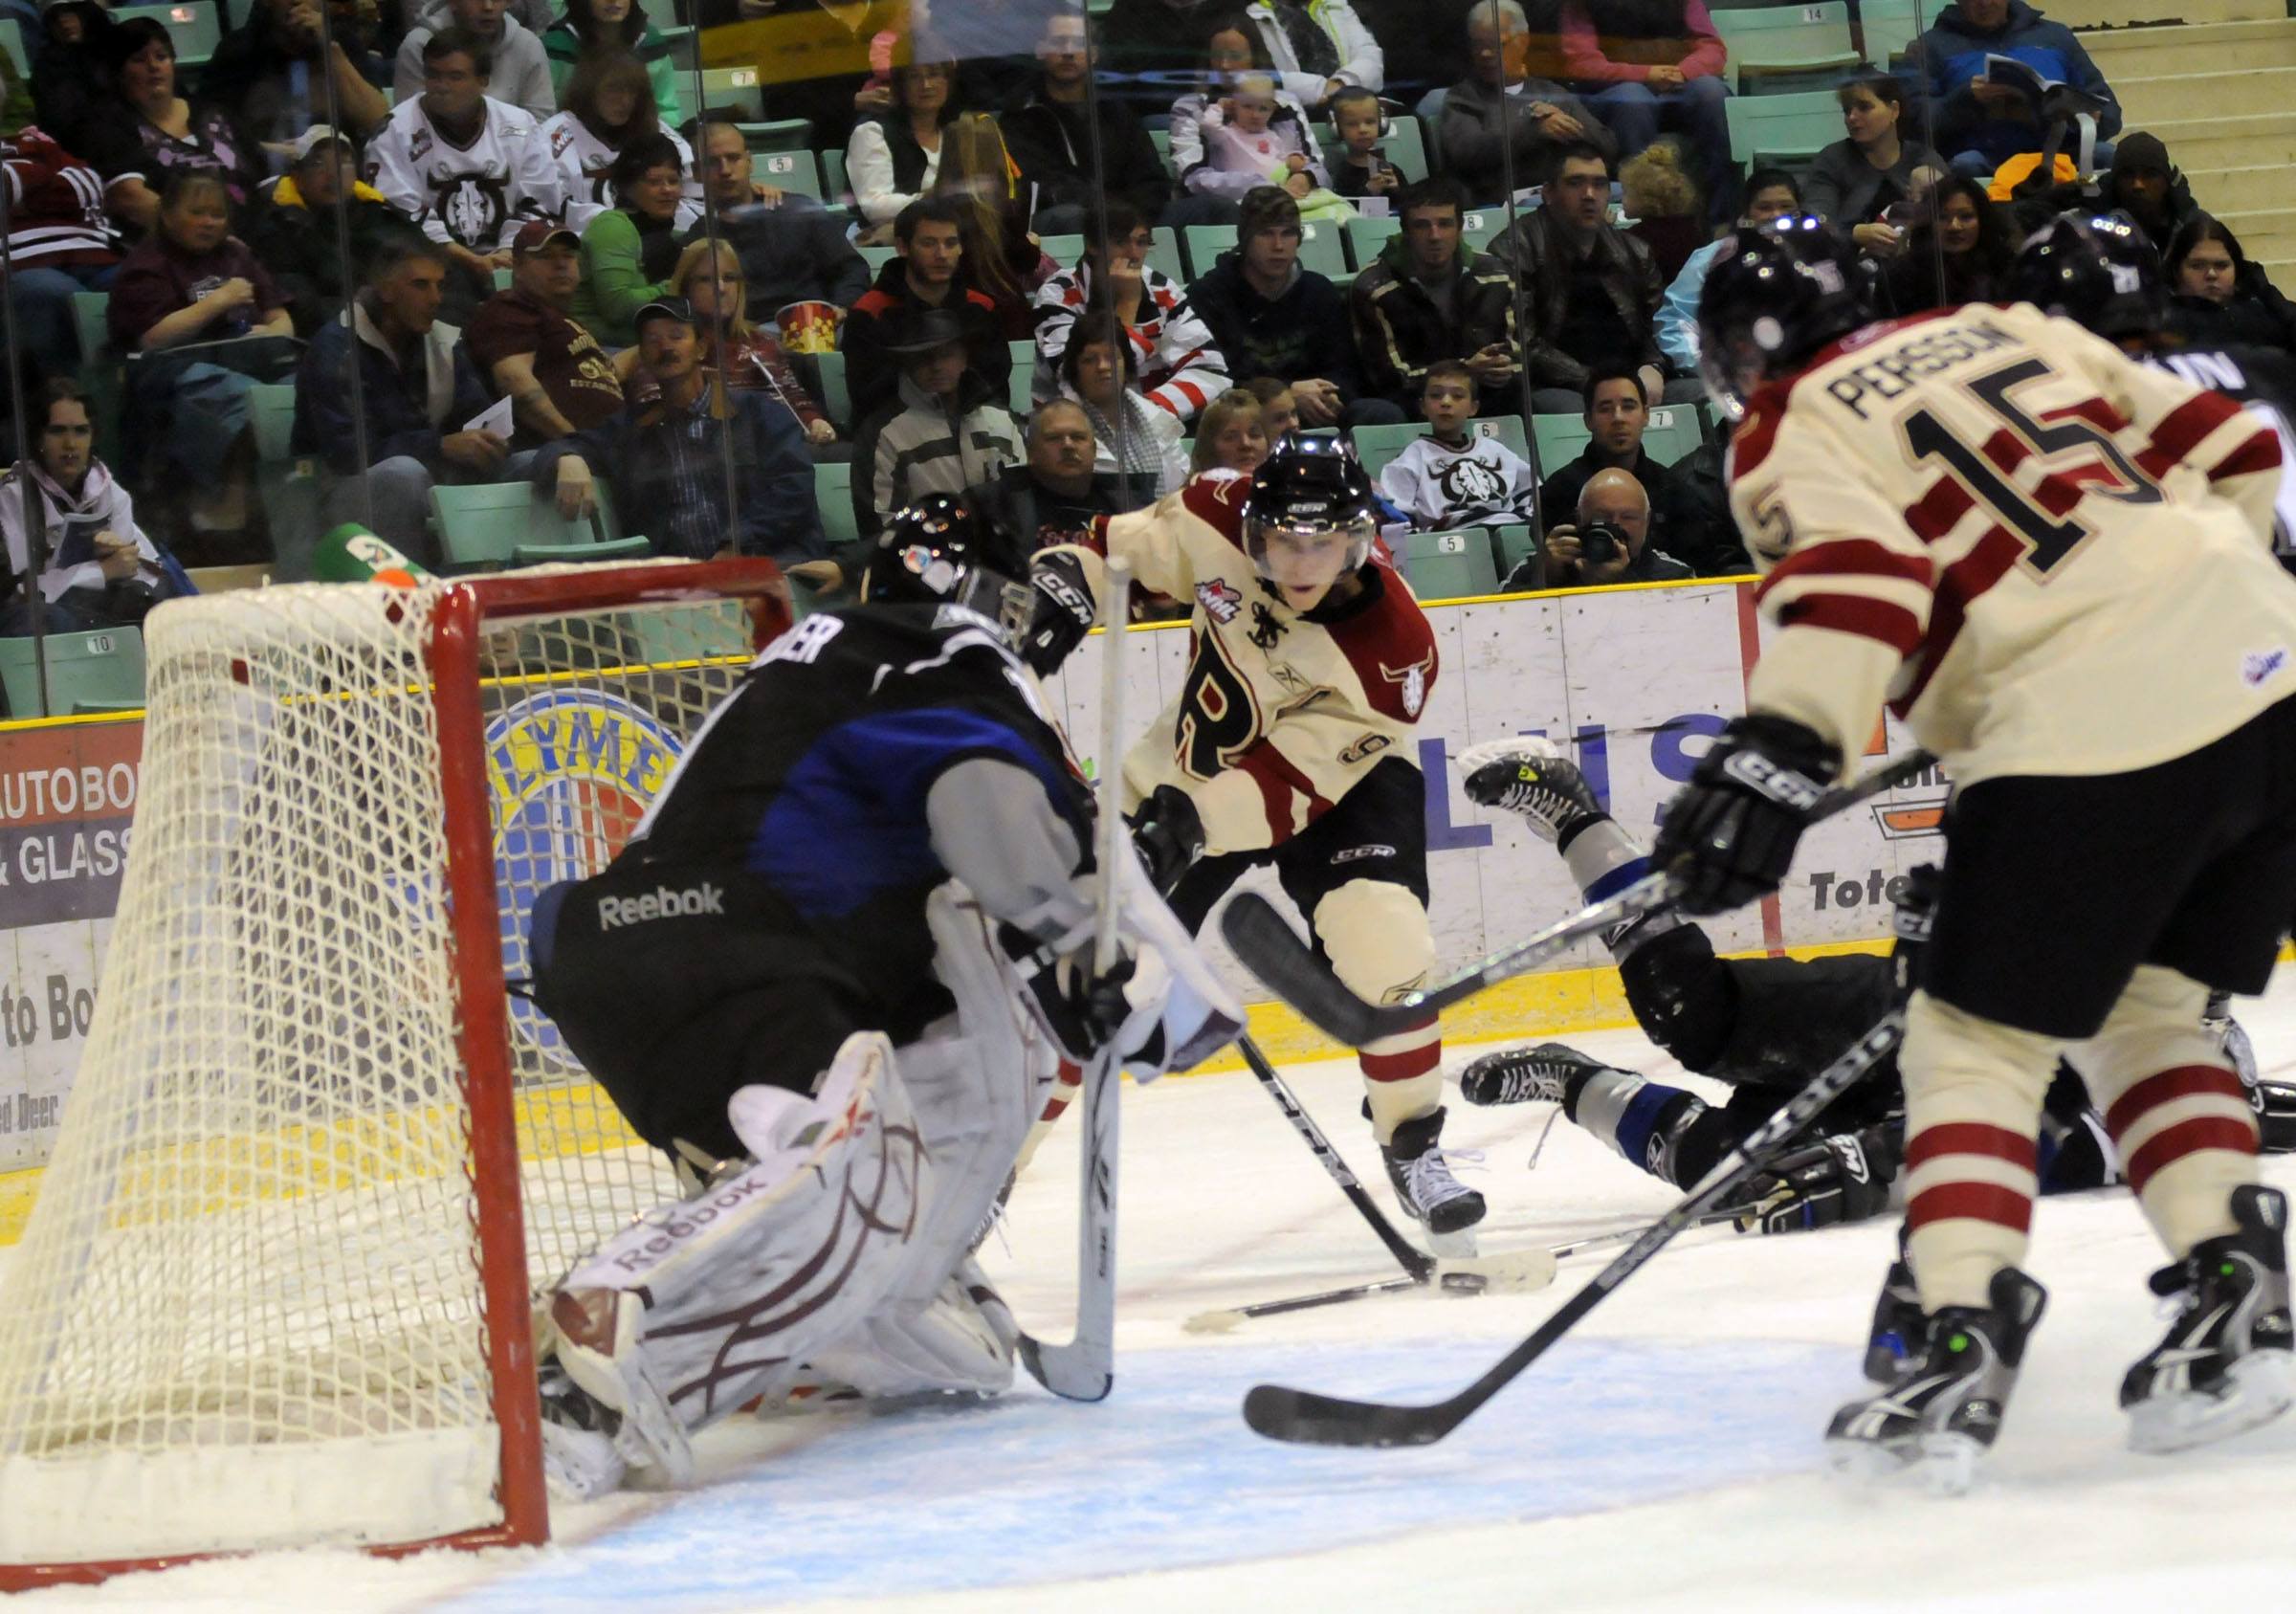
point(1219, 600)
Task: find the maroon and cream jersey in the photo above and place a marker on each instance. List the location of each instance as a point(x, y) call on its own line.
point(2049, 559)
point(56, 205)
point(1280, 713)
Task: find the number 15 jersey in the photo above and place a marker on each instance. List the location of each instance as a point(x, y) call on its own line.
point(2048, 558)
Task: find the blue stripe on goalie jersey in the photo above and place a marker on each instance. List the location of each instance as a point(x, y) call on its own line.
point(848, 822)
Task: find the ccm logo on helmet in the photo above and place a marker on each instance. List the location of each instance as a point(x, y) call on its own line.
point(616, 912)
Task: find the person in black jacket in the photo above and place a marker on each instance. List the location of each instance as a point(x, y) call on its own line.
point(294, 228)
point(1054, 496)
point(1430, 296)
point(1269, 317)
point(1052, 141)
point(793, 249)
point(929, 274)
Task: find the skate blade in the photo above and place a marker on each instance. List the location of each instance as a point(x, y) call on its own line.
point(1943, 1465)
point(2263, 1385)
point(579, 1465)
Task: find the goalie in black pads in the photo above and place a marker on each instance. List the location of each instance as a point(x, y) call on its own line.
point(832, 975)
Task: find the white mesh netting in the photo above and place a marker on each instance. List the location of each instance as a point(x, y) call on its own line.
point(255, 1243)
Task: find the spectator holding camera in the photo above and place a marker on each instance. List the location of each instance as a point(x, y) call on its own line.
point(1609, 543)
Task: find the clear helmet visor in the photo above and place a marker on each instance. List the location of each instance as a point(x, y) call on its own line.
point(1303, 556)
point(1732, 364)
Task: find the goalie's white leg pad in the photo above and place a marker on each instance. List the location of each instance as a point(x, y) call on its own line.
point(736, 1287)
point(962, 1341)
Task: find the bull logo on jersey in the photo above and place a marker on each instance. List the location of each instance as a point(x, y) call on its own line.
point(571, 773)
point(472, 206)
point(1468, 482)
point(1413, 680)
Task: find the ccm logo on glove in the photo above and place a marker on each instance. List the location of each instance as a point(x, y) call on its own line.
point(616, 912)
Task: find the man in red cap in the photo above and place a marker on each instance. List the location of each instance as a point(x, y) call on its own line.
point(531, 350)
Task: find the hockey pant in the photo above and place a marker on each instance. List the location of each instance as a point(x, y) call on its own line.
point(1358, 873)
point(842, 1248)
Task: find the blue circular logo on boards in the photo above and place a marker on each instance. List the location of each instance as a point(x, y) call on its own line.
point(571, 773)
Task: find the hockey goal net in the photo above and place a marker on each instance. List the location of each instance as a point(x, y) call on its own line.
point(319, 1155)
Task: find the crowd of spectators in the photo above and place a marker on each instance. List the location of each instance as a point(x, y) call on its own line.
point(416, 213)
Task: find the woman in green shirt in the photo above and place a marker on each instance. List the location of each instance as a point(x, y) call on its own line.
point(631, 250)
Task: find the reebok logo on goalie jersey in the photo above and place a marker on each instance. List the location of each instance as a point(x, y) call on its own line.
point(615, 912)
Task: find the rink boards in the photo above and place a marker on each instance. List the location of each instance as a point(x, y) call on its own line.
point(1637, 678)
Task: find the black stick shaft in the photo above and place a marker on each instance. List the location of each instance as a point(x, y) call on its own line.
point(1420, 1264)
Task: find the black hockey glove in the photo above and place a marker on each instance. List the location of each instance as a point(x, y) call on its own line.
point(1729, 833)
point(1168, 834)
point(1061, 614)
point(1844, 1178)
point(1915, 919)
point(1080, 1009)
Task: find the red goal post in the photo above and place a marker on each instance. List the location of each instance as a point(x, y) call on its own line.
point(277, 1290)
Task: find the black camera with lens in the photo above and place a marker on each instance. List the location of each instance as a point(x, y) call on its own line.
point(1600, 543)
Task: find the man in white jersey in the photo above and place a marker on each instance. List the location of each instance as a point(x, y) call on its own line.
point(1292, 743)
point(468, 168)
point(2052, 561)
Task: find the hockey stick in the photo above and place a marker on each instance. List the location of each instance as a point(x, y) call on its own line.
point(1318, 1420)
point(1525, 1270)
point(1466, 1281)
point(1085, 1368)
point(1265, 941)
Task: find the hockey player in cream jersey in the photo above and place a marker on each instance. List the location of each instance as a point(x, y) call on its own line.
point(1292, 743)
point(2052, 561)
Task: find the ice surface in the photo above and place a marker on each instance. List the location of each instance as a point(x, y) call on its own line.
point(1667, 1456)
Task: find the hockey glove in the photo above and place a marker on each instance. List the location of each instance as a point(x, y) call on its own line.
point(1061, 614)
point(1168, 834)
point(1729, 833)
point(1080, 1010)
point(1844, 1178)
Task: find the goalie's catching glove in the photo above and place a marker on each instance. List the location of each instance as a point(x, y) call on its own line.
point(1729, 833)
point(1844, 1178)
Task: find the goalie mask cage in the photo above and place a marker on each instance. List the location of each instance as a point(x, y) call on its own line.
point(277, 1287)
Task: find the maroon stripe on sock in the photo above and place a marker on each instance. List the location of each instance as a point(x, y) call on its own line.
point(2178, 1081)
point(1968, 1137)
point(1403, 1067)
point(2235, 1134)
point(1971, 1202)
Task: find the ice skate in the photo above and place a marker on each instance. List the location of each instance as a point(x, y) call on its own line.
point(1427, 1191)
point(1937, 1417)
point(1529, 775)
point(1897, 1321)
point(579, 1458)
point(1537, 1075)
point(2227, 1365)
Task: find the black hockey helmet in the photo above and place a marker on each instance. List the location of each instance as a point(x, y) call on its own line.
point(1776, 294)
point(1311, 488)
point(2097, 269)
point(933, 552)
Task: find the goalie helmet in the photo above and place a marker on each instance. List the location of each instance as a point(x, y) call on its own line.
point(1776, 294)
point(2097, 269)
point(1310, 488)
point(932, 552)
